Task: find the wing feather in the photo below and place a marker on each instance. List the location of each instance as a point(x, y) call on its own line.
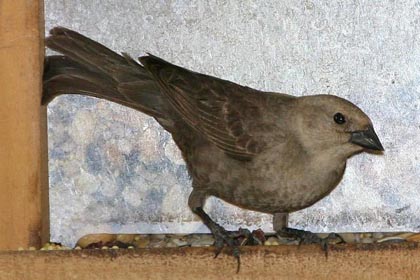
point(227, 114)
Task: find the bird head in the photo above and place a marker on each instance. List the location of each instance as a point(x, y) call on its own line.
point(331, 123)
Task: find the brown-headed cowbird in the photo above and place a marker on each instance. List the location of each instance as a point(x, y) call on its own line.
point(263, 151)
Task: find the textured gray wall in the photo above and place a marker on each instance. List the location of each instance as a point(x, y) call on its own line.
point(115, 170)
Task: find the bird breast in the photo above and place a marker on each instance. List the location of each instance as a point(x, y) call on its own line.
point(273, 182)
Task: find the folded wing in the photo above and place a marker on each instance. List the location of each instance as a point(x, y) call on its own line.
point(227, 114)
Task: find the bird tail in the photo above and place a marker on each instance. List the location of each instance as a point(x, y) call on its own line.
point(89, 68)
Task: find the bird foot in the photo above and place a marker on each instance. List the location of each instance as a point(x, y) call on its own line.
point(233, 239)
point(307, 237)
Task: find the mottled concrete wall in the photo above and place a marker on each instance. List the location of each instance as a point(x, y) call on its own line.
point(113, 169)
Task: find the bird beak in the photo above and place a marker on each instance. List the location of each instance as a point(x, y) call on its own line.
point(367, 139)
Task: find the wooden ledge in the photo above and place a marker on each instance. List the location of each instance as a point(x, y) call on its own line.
point(361, 261)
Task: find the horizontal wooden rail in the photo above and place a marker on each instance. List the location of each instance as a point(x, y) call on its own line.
point(363, 261)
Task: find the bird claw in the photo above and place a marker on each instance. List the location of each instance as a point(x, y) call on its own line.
point(307, 237)
point(325, 242)
point(233, 240)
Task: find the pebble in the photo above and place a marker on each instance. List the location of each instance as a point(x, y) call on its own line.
point(141, 242)
point(391, 239)
point(207, 240)
point(179, 242)
point(367, 240)
point(133, 241)
point(102, 238)
point(350, 237)
point(377, 235)
point(157, 244)
point(364, 235)
point(157, 236)
point(272, 241)
point(410, 236)
point(125, 238)
point(171, 244)
point(203, 240)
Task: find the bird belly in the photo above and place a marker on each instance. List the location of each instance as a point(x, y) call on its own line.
point(270, 196)
point(270, 186)
point(274, 190)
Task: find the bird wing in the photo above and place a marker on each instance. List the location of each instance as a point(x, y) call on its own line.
point(231, 116)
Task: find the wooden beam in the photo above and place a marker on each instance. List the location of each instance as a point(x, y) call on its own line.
point(364, 261)
point(23, 165)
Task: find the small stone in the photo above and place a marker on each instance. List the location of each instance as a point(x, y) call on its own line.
point(171, 244)
point(21, 249)
point(102, 238)
point(45, 246)
point(180, 242)
point(77, 248)
point(157, 244)
point(377, 235)
point(410, 236)
point(32, 248)
point(271, 241)
point(391, 239)
point(157, 241)
point(367, 240)
point(350, 237)
point(115, 247)
point(365, 235)
point(157, 236)
point(202, 240)
point(125, 238)
point(130, 247)
point(105, 248)
point(286, 240)
point(141, 241)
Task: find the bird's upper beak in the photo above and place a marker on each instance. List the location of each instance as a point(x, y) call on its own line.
point(367, 139)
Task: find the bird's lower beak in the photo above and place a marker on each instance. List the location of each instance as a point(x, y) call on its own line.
point(367, 139)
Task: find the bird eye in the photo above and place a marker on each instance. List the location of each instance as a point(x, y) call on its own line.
point(339, 118)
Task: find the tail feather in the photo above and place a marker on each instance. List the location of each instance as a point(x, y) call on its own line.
point(89, 68)
point(94, 55)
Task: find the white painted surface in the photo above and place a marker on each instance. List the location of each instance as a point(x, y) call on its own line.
point(115, 170)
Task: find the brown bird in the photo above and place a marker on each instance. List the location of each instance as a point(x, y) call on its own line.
point(263, 151)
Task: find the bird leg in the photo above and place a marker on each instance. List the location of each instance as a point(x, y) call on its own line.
point(307, 237)
point(223, 237)
point(280, 225)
